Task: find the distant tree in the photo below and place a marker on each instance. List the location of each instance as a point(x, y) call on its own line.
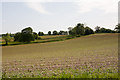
point(113, 31)
point(7, 38)
point(3, 34)
point(70, 31)
point(61, 33)
point(78, 30)
point(70, 28)
point(49, 32)
point(26, 35)
point(17, 36)
point(55, 32)
point(109, 31)
point(11, 35)
point(104, 30)
point(27, 30)
point(40, 33)
point(65, 33)
point(35, 35)
point(88, 31)
point(97, 29)
point(117, 28)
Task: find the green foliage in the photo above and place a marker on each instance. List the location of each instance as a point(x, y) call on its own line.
point(117, 28)
point(35, 35)
point(68, 73)
point(11, 35)
point(62, 33)
point(80, 30)
point(103, 30)
point(16, 36)
point(97, 29)
point(49, 32)
point(26, 35)
point(7, 38)
point(55, 32)
point(88, 31)
point(27, 30)
point(40, 33)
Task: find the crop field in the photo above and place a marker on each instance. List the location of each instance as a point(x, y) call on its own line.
point(92, 56)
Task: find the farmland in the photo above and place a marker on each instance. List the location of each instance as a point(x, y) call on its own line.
point(92, 56)
point(43, 39)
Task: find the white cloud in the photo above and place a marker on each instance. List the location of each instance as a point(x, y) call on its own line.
point(108, 6)
point(37, 7)
point(84, 6)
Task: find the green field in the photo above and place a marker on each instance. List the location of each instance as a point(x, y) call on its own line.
point(92, 56)
point(43, 39)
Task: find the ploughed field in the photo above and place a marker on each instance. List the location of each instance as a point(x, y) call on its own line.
point(93, 56)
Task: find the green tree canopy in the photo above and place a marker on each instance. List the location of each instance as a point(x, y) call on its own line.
point(117, 28)
point(77, 30)
point(62, 33)
point(26, 35)
point(88, 31)
point(27, 30)
point(55, 32)
point(17, 36)
point(49, 32)
point(40, 33)
point(35, 35)
point(97, 29)
point(7, 38)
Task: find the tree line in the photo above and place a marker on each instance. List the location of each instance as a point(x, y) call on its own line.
point(27, 34)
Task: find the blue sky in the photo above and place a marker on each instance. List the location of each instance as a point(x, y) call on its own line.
point(44, 16)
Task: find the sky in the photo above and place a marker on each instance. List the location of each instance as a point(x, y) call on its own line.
point(49, 15)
